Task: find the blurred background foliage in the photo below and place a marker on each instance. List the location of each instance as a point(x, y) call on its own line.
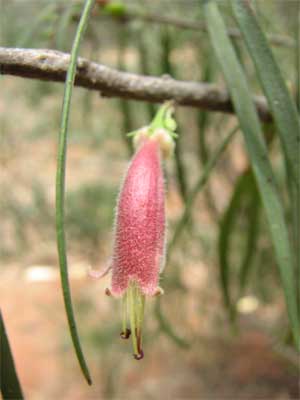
point(227, 227)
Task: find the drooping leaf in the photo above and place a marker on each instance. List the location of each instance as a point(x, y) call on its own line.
point(257, 150)
point(226, 232)
point(283, 107)
point(280, 101)
point(9, 382)
point(60, 188)
point(253, 223)
point(244, 196)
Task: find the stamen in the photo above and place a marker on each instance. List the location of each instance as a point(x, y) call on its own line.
point(125, 331)
point(107, 292)
point(139, 341)
point(139, 356)
point(125, 334)
point(132, 316)
point(158, 291)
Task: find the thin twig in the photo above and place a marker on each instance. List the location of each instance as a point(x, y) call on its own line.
point(198, 186)
point(127, 14)
point(51, 65)
point(274, 39)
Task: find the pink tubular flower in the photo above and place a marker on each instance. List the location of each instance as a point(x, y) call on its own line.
point(139, 246)
point(140, 223)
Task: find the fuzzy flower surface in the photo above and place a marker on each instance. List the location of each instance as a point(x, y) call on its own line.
point(139, 243)
point(140, 223)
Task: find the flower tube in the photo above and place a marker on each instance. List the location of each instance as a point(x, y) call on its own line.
point(139, 243)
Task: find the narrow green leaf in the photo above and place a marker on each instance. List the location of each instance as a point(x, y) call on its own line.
point(226, 231)
point(60, 187)
point(244, 194)
point(297, 201)
point(258, 154)
point(280, 101)
point(252, 234)
point(297, 60)
point(9, 381)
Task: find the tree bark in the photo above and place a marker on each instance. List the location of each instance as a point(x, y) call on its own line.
point(51, 65)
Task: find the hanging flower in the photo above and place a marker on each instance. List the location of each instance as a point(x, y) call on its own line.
point(139, 245)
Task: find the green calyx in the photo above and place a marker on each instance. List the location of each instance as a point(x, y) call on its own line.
point(163, 120)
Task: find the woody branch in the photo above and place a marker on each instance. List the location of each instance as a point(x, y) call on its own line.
point(51, 65)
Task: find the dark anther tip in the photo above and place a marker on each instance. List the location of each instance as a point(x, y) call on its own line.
point(126, 334)
point(139, 356)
